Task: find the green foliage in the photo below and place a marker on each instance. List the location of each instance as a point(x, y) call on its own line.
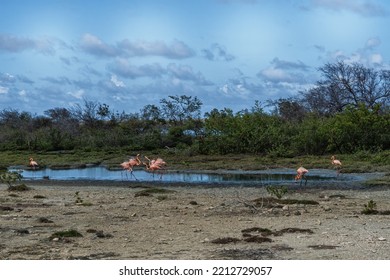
point(360, 129)
point(279, 192)
point(370, 208)
point(10, 177)
point(79, 200)
point(295, 127)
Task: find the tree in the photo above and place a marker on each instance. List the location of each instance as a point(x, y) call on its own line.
point(289, 109)
point(64, 128)
point(150, 113)
point(181, 108)
point(359, 129)
point(348, 85)
point(103, 111)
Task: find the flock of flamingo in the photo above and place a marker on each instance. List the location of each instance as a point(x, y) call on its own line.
point(301, 171)
point(151, 165)
point(158, 164)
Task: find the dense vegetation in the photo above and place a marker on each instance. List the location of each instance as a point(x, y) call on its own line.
point(347, 111)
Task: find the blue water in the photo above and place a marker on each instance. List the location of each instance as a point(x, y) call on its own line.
point(102, 173)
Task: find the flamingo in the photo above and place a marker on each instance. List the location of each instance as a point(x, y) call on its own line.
point(154, 165)
point(301, 174)
point(128, 165)
point(337, 164)
point(33, 163)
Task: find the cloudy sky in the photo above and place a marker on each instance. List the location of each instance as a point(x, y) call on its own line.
point(131, 53)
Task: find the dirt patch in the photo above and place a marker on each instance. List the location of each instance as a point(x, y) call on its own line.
point(182, 221)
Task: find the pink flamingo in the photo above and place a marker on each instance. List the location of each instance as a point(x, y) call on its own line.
point(129, 165)
point(33, 163)
point(337, 164)
point(154, 165)
point(301, 174)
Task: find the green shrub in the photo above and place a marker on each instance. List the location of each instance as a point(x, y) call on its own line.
point(370, 208)
point(279, 192)
point(10, 177)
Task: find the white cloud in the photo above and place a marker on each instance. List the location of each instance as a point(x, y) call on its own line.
point(376, 58)
point(125, 48)
point(364, 55)
point(117, 82)
point(276, 75)
point(373, 42)
point(284, 71)
point(123, 68)
point(239, 87)
point(22, 93)
point(361, 7)
point(217, 52)
point(176, 50)
point(4, 90)
point(22, 96)
point(17, 44)
point(78, 94)
point(92, 44)
point(185, 72)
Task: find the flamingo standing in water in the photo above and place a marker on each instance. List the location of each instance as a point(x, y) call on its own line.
point(33, 163)
point(301, 174)
point(129, 165)
point(154, 165)
point(337, 164)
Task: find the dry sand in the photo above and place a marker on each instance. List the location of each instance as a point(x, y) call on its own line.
point(190, 222)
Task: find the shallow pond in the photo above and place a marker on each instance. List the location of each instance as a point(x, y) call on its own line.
point(227, 176)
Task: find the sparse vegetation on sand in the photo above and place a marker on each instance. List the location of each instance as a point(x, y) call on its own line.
point(191, 222)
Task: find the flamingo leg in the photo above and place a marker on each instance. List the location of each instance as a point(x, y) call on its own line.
point(132, 174)
point(33, 169)
point(303, 178)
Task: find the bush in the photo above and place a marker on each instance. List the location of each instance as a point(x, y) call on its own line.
point(279, 192)
point(10, 177)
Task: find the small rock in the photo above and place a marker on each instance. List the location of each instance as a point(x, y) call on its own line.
point(382, 239)
point(56, 239)
point(286, 208)
point(6, 208)
point(44, 220)
point(326, 208)
point(22, 231)
point(134, 214)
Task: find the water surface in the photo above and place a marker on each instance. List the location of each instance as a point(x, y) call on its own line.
point(227, 176)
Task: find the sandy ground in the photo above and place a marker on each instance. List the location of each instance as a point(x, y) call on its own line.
point(118, 221)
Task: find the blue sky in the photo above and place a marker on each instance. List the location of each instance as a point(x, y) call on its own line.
point(228, 53)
